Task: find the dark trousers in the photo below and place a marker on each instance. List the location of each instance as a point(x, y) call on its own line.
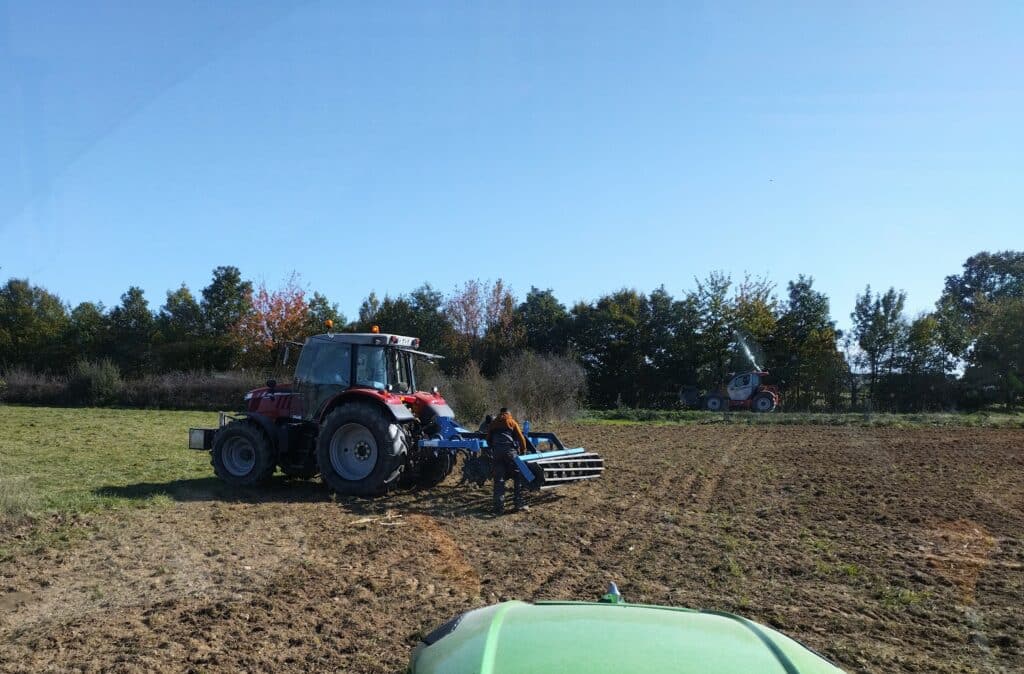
point(505, 468)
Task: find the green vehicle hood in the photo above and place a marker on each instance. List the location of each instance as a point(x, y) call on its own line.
point(597, 638)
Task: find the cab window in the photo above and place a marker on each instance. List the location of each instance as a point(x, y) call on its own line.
point(398, 371)
point(324, 362)
point(371, 367)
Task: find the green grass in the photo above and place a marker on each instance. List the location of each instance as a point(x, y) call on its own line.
point(60, 460)
point(921, 420)
point(16, 498)
point(895, 598)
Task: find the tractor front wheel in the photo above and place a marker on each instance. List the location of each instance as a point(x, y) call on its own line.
point(360, 451)
point(242, 455)
point(763, 402)
point(716, 404)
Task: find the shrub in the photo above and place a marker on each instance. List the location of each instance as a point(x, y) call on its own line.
point(541, 386)
point(428, 375)
point(471, 395)
point(100, 384)
point(190, 390)
point(31, 388)
point(95, 383)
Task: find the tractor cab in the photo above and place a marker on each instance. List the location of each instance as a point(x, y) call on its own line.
point(742, 386)
point(330, 364)
point(333, 364)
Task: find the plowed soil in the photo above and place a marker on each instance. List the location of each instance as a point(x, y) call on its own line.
point(885, 550)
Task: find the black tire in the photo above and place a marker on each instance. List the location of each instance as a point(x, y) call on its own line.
point(242, 455)
point(434, 470)
point(361, 451)
point(689, 396)
point(716, 404)
point(763, 402)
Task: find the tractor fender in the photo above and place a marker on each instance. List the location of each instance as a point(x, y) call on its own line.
point(438, 410)
point(429, 405)
point(266, 423)
point(391, 405)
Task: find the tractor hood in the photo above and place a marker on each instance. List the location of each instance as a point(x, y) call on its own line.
point(597, 638)
point(263, 391)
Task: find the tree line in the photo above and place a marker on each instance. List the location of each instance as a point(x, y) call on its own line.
point(637, 349)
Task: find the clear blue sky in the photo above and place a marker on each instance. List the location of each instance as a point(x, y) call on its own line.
point(579, 146)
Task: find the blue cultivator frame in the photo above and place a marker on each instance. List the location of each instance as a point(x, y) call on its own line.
point(557, 465)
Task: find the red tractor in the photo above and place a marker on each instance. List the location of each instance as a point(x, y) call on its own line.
point(354, 416)
point(743, 392)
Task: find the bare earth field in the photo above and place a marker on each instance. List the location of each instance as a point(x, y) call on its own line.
point(885, 550)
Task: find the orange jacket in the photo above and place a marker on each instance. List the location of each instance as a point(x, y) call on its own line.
point(505, 422)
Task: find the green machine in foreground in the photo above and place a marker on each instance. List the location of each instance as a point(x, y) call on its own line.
point(609, 637)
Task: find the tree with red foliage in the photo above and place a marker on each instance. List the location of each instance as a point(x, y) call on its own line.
point(275, 317)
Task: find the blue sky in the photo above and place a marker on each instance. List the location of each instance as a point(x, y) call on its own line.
point(579, 146)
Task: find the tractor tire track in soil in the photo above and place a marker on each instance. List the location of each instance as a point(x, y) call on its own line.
point(887, 550)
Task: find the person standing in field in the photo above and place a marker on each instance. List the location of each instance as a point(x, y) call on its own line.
point(506, 440)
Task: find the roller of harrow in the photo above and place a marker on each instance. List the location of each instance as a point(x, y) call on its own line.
point(555, 471)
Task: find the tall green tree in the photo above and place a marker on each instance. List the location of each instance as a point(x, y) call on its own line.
point(132, 328)
point(181, 340)
point(418, 314)
point(669, 334)
point(87, 333)
point(805, 355)
point(997, 359)
point(226, 301)
point(32, 321)
point(608, 337)
point(881, 331)
point(755, 309)
point(181, 317)
point(924, 349)
point(319, 311)
point(545, 321)
point(924, 382)
point(368, 312)
point(961, 309)
point(429, 321)
point(717, 323)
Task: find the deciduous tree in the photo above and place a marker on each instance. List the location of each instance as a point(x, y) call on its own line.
point(276, 317)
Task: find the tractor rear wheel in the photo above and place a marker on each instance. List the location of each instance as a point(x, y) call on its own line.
point(716, 404)
point(242, 454)
point(361, 451)
point(763, 402)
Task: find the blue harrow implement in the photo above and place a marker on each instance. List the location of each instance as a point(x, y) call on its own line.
point(547, 464)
